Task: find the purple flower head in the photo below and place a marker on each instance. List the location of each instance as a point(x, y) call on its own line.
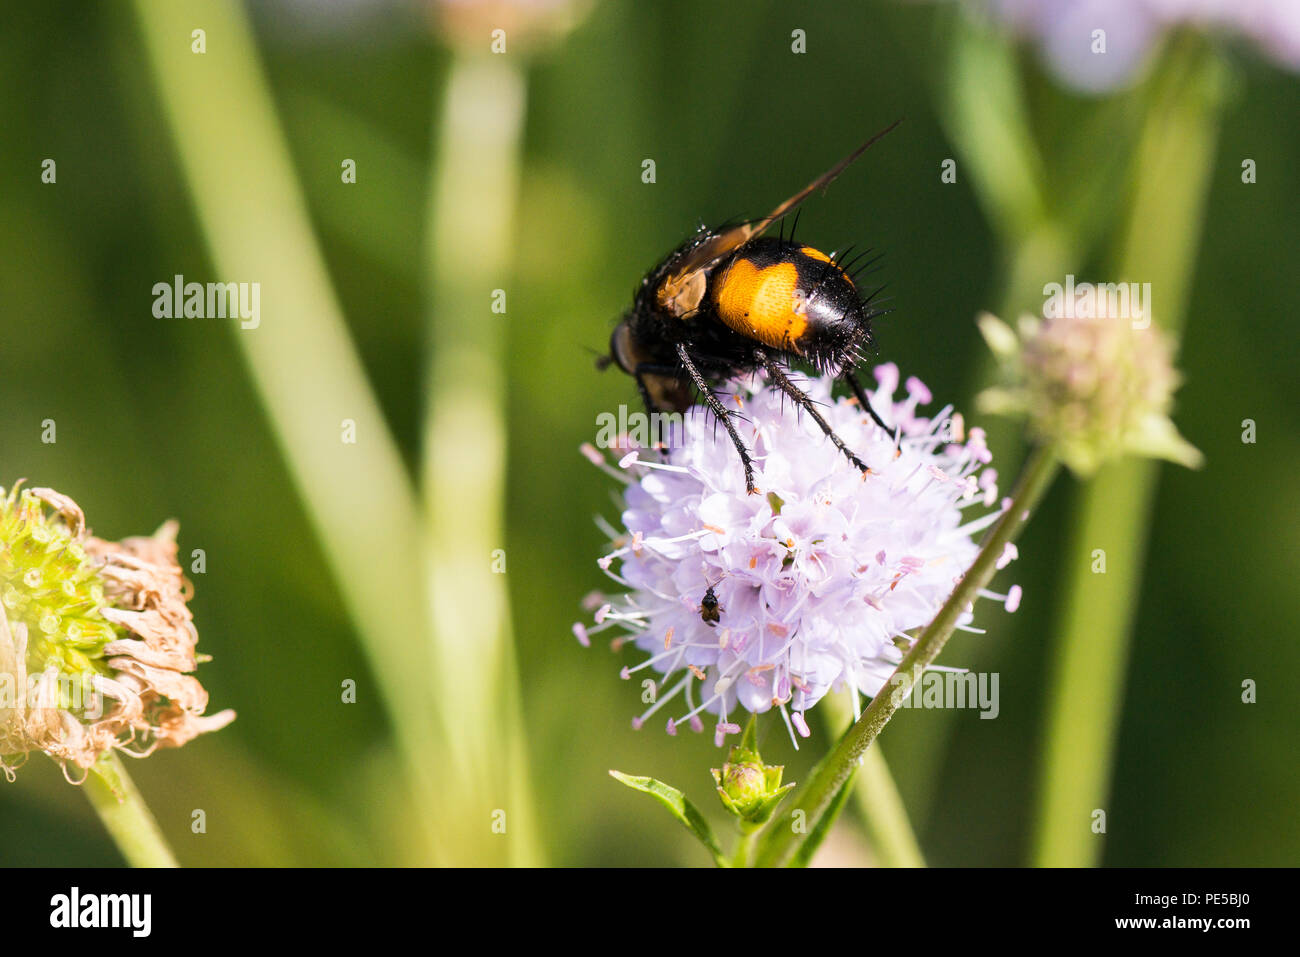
point(1066, 32)
point(818, 578)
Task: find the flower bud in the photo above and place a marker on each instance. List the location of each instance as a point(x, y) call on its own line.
point(748, 788)
point(1093, 387)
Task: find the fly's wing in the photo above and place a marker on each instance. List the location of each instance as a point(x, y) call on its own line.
point(682, 290)
point(821, 182)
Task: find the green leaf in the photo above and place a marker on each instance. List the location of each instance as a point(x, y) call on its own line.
point(681, 808)
point(804, 855)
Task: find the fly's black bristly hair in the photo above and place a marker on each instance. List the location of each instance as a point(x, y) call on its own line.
point(697, 320)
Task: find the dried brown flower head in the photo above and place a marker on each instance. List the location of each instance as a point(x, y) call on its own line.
point(97, 644)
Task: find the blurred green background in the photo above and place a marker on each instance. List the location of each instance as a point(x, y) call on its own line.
point(158, 418)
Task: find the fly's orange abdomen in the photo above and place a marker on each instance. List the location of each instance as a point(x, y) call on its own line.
point(762, 302)
point(788, 297)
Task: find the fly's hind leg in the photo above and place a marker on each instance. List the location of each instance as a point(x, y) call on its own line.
point(863, 400)
point(804, 402)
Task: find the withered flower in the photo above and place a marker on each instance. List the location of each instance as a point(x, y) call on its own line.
point(97, 644)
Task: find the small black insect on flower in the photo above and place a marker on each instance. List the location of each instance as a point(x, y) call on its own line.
point(710, 610)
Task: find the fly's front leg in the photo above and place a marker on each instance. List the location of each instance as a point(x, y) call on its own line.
point(720, 411)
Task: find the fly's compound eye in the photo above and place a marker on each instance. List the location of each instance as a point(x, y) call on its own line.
point(620, 348)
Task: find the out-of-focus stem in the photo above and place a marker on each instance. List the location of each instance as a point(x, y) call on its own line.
point(300, 357)
point(474, 180)
point(986, 116)
point(883, 815)
point(1112, 511)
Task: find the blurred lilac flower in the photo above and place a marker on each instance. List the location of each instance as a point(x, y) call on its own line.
point(818, 578)
point(1065, 31)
